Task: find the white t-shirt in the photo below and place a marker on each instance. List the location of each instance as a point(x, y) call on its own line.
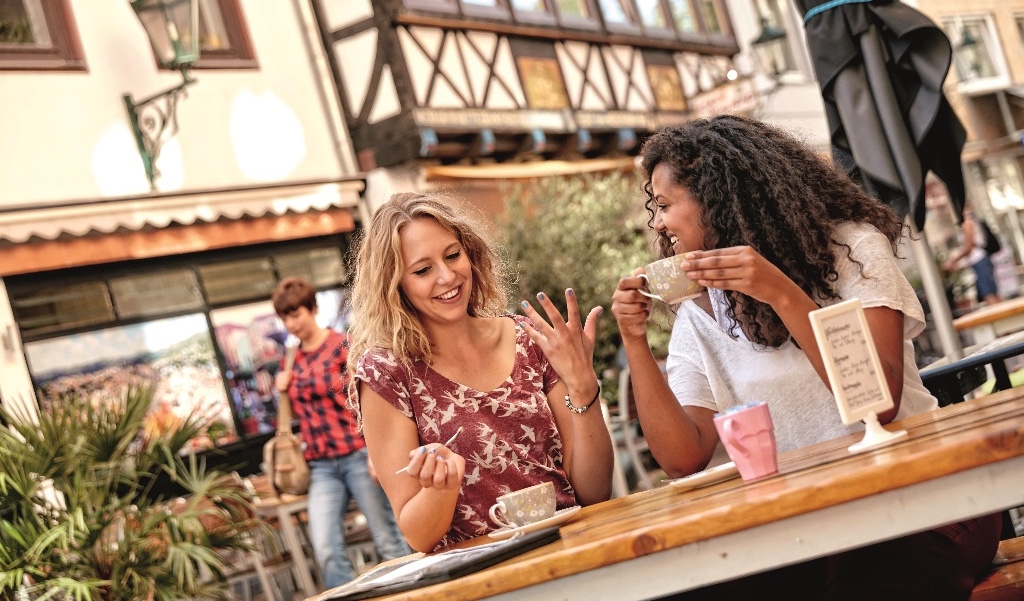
point(707, 368)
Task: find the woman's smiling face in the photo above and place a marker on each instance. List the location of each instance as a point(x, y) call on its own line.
point(437, 278)
point(677, 215)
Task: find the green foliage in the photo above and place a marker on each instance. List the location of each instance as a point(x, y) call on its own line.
point(79, 517)
point(584, 233)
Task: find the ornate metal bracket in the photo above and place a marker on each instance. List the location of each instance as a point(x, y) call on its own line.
point(154, 120)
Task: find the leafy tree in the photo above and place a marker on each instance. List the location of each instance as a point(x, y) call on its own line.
point(585, 233)
point(79, 518)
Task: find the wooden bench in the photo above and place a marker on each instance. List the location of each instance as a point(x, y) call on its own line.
point(1005, 581)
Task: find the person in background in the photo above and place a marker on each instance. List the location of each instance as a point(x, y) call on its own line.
point(973, 249)
point(438, 350)
point(317, 386)
point(774, 233)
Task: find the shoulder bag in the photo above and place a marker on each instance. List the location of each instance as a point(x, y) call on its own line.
point(283, 459)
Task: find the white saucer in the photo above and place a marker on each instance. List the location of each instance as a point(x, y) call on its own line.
point(718, 473)
point(561, 516)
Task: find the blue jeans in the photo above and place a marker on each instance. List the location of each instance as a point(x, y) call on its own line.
point(332, 482)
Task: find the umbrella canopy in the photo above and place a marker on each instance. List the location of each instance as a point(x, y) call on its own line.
point(880, 65)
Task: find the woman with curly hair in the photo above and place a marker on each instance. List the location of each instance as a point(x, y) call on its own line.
point(439, 351)
point(774, 232)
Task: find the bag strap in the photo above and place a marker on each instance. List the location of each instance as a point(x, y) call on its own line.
point(284, 404)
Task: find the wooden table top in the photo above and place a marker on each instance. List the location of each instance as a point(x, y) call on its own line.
point(989, 314)
point(941, 443)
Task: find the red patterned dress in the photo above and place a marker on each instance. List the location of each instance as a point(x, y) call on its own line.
point(509, 440)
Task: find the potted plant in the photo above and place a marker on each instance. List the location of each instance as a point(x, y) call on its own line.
point(80, 512)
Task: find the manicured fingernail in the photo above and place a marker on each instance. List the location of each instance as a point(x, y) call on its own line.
point(525, 304)
point(540, 296)
point(570, 292)
point(433, 451)
point(423, 449)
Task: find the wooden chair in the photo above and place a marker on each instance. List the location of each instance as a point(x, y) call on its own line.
point(1005, 581)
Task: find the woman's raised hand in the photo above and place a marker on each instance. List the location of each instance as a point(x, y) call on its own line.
point(739, 268)
point(567, 343)
point(630, 308)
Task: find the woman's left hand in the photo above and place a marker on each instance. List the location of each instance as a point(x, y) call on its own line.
point(739, 268)
point(567, 344)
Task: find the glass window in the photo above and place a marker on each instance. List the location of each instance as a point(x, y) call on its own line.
point(156, 293)
point(533, 11)
point(651, 13)
point(175, 354)
point(223, 36)
point(536, 6)
point(488, 3)
point(576, 9)
point(615, 12)
point(439, 5)
point(38, 34)
point(974, 60)
point(709, 13)
point(682, 14)
point(977, 54)
point(54, 308)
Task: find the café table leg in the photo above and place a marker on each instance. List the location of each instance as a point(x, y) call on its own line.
point(291, 539)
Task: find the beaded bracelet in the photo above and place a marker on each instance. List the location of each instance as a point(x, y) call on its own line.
point(579, 410)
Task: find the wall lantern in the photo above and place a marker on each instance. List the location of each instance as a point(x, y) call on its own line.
point(968, 48)
point(767, 46)
point(173, 30)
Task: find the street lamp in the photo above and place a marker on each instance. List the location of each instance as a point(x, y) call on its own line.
point(969, 49)
point(173, 30)
point(766, 45)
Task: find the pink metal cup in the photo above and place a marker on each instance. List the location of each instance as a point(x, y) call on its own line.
point(749, 438)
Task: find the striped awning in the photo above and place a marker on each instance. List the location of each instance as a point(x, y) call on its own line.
point(76, 219)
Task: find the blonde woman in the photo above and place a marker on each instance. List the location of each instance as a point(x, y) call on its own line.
point(438, 350)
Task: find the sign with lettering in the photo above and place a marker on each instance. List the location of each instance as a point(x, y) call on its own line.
point(851, 360)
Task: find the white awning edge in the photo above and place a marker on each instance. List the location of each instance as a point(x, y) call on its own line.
point(108, 216)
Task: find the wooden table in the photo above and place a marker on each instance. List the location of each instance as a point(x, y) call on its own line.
point(959, 461)
point(992, 321)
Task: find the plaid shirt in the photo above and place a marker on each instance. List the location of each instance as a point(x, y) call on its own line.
point(319, 397)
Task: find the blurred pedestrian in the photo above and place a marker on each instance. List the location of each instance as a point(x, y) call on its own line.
point(974, 247)
point(317, 386)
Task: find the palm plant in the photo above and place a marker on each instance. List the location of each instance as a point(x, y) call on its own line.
point(80, 517)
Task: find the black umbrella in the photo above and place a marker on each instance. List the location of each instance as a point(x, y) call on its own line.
point(880, 65)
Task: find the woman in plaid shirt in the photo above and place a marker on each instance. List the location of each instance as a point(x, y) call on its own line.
point(317, 386)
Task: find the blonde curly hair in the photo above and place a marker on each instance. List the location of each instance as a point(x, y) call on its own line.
point(382, 316)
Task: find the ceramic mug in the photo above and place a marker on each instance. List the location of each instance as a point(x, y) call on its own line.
point(667, 281)
point(525, 506)
point(748, 436)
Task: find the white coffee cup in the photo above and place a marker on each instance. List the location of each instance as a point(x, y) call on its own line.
point(667, 281)
point(524, 506)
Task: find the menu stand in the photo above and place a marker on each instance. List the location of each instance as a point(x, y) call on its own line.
point(854, 371)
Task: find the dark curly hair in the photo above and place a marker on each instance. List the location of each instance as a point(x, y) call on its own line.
point(758, 186)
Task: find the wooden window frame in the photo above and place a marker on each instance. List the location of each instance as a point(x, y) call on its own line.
point(65, 52)
point(239, 54)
